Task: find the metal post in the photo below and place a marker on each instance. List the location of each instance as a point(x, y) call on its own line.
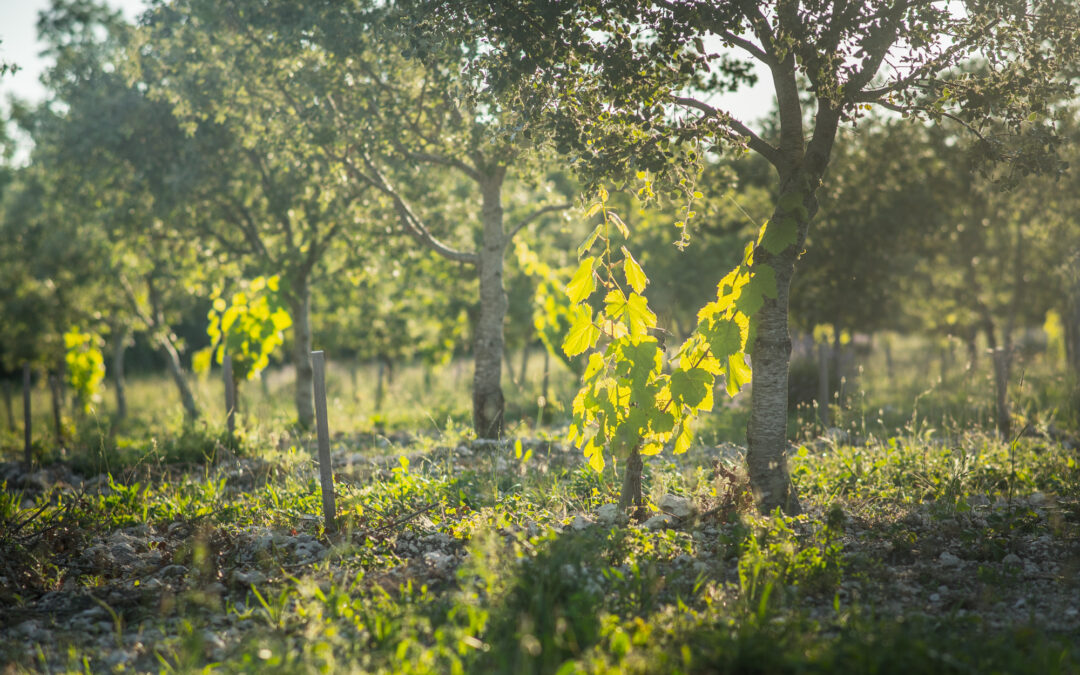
point(26, 414)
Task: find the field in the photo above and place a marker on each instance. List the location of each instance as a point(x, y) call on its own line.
point(929, 543)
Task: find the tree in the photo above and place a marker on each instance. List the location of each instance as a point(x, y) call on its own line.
point(626, 86)
point(276, 203)
point(394, 125)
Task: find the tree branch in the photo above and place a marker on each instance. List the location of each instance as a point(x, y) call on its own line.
point(534, 215)
point(755, 142)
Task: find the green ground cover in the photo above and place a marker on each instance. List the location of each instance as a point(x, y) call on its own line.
point(929, 544)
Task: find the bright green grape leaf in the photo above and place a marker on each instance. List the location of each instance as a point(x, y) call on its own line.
point(779, 233)
point(691, 386)
point(594, 209)
point(759, 287)
point(589, 241)
point(738, 374)
point(583, 283)
point(595, 454)
point(653, 448)
point(662, 422)
point(229, 318)
point(594, 366)
point(200, 360)
point(638, 359)
point(280, 320)
point(683, 440)
point(635, 276)
point(633, 310)
point(724, 337)
point(582, 335)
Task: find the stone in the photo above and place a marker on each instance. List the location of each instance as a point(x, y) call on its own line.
point(438, 560)
point(948, 559)
point(580, 523)
point(173, 572)
point(659, 521)
point(611, 514)
point(1012, 560)
point(249, 578)
point(680, 507)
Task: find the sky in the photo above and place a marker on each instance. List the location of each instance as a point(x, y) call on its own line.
point(19, 45)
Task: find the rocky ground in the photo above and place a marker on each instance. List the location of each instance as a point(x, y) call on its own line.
point(118, 595)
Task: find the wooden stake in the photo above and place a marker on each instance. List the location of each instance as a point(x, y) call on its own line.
point(230, 396)
point(26, 413)
point(326, 472)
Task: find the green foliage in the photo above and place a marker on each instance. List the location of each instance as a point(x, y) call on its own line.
point(248, 328)
point(553, 309)
point(628, 400)
point(85, 365)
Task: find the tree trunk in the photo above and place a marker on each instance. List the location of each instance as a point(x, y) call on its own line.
point(176, 370)
point(488, 402)
point(1001, 361)
point(890, 368)
point(766, 432)
point(631, 487)
point(971, 342)
point(823, 383)
point(380, 384)
point(8, 408)
point(523, 369)
point(301, 310)
point(120, 339)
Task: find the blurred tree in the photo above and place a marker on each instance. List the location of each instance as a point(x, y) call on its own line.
point(627, 86)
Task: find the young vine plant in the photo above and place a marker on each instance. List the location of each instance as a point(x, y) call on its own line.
point(85, 365)
point(249, 327)
point(629, 404)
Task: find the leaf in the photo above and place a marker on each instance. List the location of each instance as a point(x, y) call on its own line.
point(280, 320)
point(594, 209)
point(583, 283)
point(200, 360)
point(219, 305)
point(779, 233)
point(619, 224)
point(738, 373)
point(582, 335)
point(638, 359)
point(635, 276)
point(724, 338)
point(633, 310)
point(683, 440)
point(595, 455)
point(589, 241)
point(690, 387)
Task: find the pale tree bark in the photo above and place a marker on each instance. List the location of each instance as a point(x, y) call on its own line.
point(766, 432)
point(179, 378)
point(380, 383)
point(119, 346)
point(301, 316)
point(488, 401)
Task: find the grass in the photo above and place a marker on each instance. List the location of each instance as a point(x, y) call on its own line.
point(449, 561)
